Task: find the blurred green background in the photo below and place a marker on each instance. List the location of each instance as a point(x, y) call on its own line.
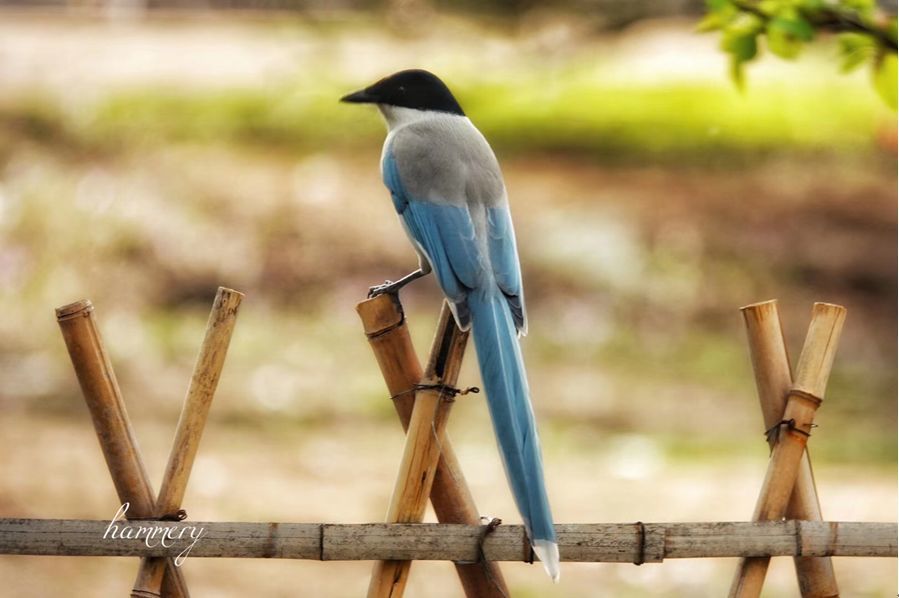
point(151, 153)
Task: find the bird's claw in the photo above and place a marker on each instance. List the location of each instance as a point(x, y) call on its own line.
point(379, 289)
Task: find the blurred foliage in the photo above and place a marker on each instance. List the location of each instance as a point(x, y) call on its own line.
point(866, 34)
point(579, 114)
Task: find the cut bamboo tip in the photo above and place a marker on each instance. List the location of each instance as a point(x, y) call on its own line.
point(820, 349)
point(760, 305)
point(228, 299)
point(73, 310)
point(380, 314)
point(227, 291)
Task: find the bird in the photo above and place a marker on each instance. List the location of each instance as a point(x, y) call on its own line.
point(447, 188)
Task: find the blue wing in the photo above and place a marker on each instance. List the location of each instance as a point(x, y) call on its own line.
point(504, 260)
point(446, 235)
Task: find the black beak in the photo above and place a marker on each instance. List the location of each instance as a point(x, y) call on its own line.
point(360, 97)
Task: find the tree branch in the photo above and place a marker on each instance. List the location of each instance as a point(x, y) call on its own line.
point(830, 19)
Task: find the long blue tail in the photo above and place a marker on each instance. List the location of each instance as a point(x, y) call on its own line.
point(506, 386)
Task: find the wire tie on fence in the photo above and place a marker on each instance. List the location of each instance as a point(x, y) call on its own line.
point(179, 515)
point(448, 392)
point(486, 531)
point(771, 433)
point(641, 551)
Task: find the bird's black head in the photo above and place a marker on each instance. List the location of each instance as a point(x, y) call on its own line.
point(416, 89)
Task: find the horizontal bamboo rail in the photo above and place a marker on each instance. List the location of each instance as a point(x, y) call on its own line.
point(578, 542)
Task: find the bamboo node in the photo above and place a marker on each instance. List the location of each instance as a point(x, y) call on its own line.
point(806, 396)
point(641, 547)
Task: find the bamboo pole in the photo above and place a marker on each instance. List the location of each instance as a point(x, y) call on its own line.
point(385, 326)
point(200, 393)
point(424, 441)
point(107, 408)
point(578, 542)
point(806, 394)
point(774, 379)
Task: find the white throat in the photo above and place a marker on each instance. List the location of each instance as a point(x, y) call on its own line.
point(397, 117)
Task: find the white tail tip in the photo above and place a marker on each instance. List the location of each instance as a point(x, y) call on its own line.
point(548, 553)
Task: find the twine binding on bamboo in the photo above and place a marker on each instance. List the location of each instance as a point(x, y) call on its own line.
point(486, 531)
point(179, 515)
point(449, 393)
point(772, 432)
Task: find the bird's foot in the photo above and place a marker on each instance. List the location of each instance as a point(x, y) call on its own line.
point(394, 287)
point(380, 289)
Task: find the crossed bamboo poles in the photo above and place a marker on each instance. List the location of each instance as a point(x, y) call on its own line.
point(788, 408)
point(156, 576)
point(429, 467)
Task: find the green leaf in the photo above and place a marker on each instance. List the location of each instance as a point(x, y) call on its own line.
point(796, 26)
point(885, 81)
point(710, 22)
point(781, 39)
point(855, 50)
point(812, 6)
point(770, 7)
point(742, 46)
point(737, 73)
point(739, 37)
point(861, 6)
point(745, 23)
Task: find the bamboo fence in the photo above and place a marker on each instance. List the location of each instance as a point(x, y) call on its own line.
point(385, 327)
point(578, 542)
point(774, 379)
point(429, 470)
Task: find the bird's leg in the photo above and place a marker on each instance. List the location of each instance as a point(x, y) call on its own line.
point(394, 287)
